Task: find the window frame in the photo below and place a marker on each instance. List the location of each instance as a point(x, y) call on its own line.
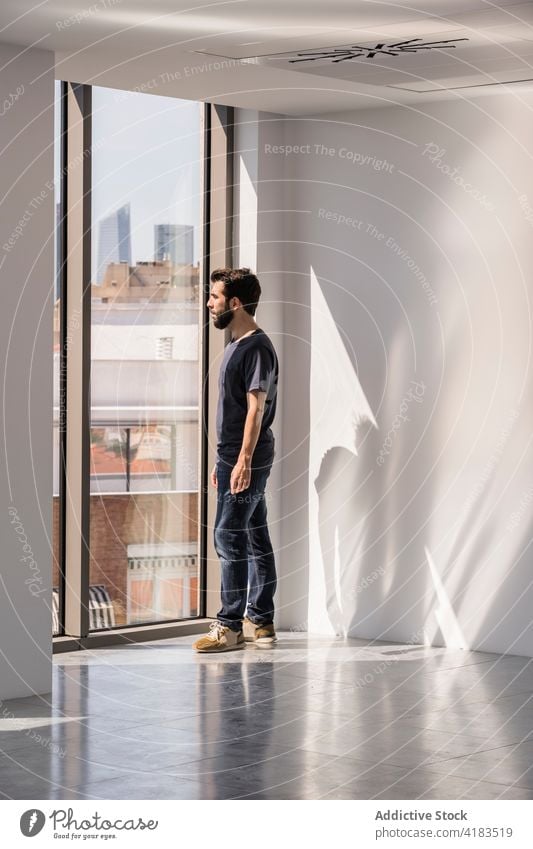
point(75, 408)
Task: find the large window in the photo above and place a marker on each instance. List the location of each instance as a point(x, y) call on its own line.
point(143, 208)
point(145, 369)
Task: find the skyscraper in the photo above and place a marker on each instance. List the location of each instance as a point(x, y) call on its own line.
point(114, 240)
point(174, 242)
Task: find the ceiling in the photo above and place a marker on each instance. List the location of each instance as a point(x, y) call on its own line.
point(288, 56)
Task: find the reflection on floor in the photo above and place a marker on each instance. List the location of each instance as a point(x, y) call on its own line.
point(312, 718)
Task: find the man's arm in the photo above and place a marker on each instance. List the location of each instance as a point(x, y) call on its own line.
point(241, 473)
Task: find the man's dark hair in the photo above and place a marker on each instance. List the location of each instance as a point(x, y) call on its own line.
point(239, 283)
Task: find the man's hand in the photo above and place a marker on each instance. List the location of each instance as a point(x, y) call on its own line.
point(240, 476)
point(214, 476)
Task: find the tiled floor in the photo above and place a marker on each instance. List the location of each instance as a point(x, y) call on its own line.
point(311, 718)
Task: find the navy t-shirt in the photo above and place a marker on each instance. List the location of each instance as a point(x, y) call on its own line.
point(248, 363)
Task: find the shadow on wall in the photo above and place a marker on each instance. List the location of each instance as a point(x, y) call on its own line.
point(411, 529)
point(341, 535)
point(371, 489)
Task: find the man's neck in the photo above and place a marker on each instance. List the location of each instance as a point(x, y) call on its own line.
point(240, 334)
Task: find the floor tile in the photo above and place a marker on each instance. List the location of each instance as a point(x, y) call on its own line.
point(424, 785)
point(511, 765)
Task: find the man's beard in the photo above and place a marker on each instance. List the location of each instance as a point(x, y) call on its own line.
point(223, 319)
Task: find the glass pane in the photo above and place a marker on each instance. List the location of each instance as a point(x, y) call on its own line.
point(145, 302)
point(56, 628)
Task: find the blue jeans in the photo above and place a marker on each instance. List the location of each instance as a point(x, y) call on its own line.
point(243, 545)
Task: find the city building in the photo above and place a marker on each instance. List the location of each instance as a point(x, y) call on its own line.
point(174, 242)
point(114, 240)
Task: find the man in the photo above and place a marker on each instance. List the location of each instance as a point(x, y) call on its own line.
point(245, 452)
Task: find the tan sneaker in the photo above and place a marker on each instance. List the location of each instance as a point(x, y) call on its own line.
point(219, 638)
point(260, 634)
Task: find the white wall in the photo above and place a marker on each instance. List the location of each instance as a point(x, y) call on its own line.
point(406, 495)
point(26, 293)
point(258, 230)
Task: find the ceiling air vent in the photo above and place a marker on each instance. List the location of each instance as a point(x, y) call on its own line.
point(381, 48)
